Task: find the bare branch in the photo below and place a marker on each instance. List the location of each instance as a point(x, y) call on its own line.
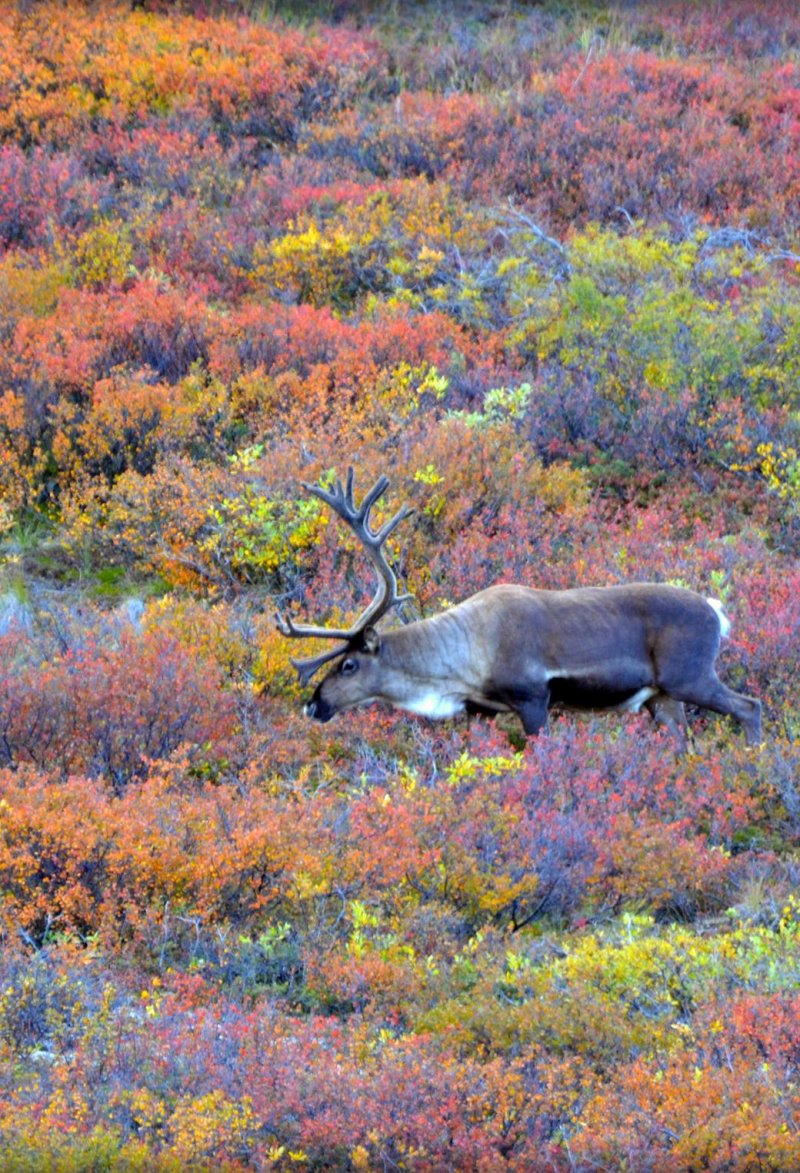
point(532, 227)
point(784, 255)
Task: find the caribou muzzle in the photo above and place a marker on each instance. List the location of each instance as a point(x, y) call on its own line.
point(319, 710)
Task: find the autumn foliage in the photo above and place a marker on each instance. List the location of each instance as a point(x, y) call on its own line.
point(540, 264)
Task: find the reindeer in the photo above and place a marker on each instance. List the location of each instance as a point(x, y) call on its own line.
point(515, 649)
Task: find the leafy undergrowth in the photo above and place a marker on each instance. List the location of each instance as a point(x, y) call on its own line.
point(541, 265)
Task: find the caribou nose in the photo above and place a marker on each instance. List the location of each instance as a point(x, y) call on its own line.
point(311, 709)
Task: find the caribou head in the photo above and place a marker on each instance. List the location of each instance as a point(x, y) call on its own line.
point(355, 679)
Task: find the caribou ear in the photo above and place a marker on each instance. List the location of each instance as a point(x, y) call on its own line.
point(371, 641)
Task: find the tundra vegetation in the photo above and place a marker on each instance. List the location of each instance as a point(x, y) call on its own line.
point(541, 262)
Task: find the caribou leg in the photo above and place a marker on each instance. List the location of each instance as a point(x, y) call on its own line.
point(533, 713)
point(711, 693)
point(666, 711)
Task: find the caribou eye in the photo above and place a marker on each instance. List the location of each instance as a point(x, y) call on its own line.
point(348, 667)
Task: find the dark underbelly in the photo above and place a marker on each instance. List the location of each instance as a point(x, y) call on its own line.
point(581, 694)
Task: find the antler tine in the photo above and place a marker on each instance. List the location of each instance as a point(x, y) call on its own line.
point(342, 500)
point(392, 524)
point(287, 626)
point(350, 490)
point(377, 491)
point(305, 669)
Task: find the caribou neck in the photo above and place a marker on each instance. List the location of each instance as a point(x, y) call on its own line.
point(441, 649)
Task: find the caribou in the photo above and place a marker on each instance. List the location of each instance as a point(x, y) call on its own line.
point(517, 649)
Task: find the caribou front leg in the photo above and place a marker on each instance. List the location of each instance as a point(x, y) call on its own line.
point(533, 713)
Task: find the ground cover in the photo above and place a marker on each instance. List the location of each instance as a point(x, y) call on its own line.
point(540, 265)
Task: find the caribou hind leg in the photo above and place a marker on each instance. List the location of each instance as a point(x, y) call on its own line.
point(711, 693)
point(666, 711)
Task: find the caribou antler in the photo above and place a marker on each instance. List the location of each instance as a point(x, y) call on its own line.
point(341, 501)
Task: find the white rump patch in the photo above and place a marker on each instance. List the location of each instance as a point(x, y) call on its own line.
point(433, 704)
point(724, 621)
